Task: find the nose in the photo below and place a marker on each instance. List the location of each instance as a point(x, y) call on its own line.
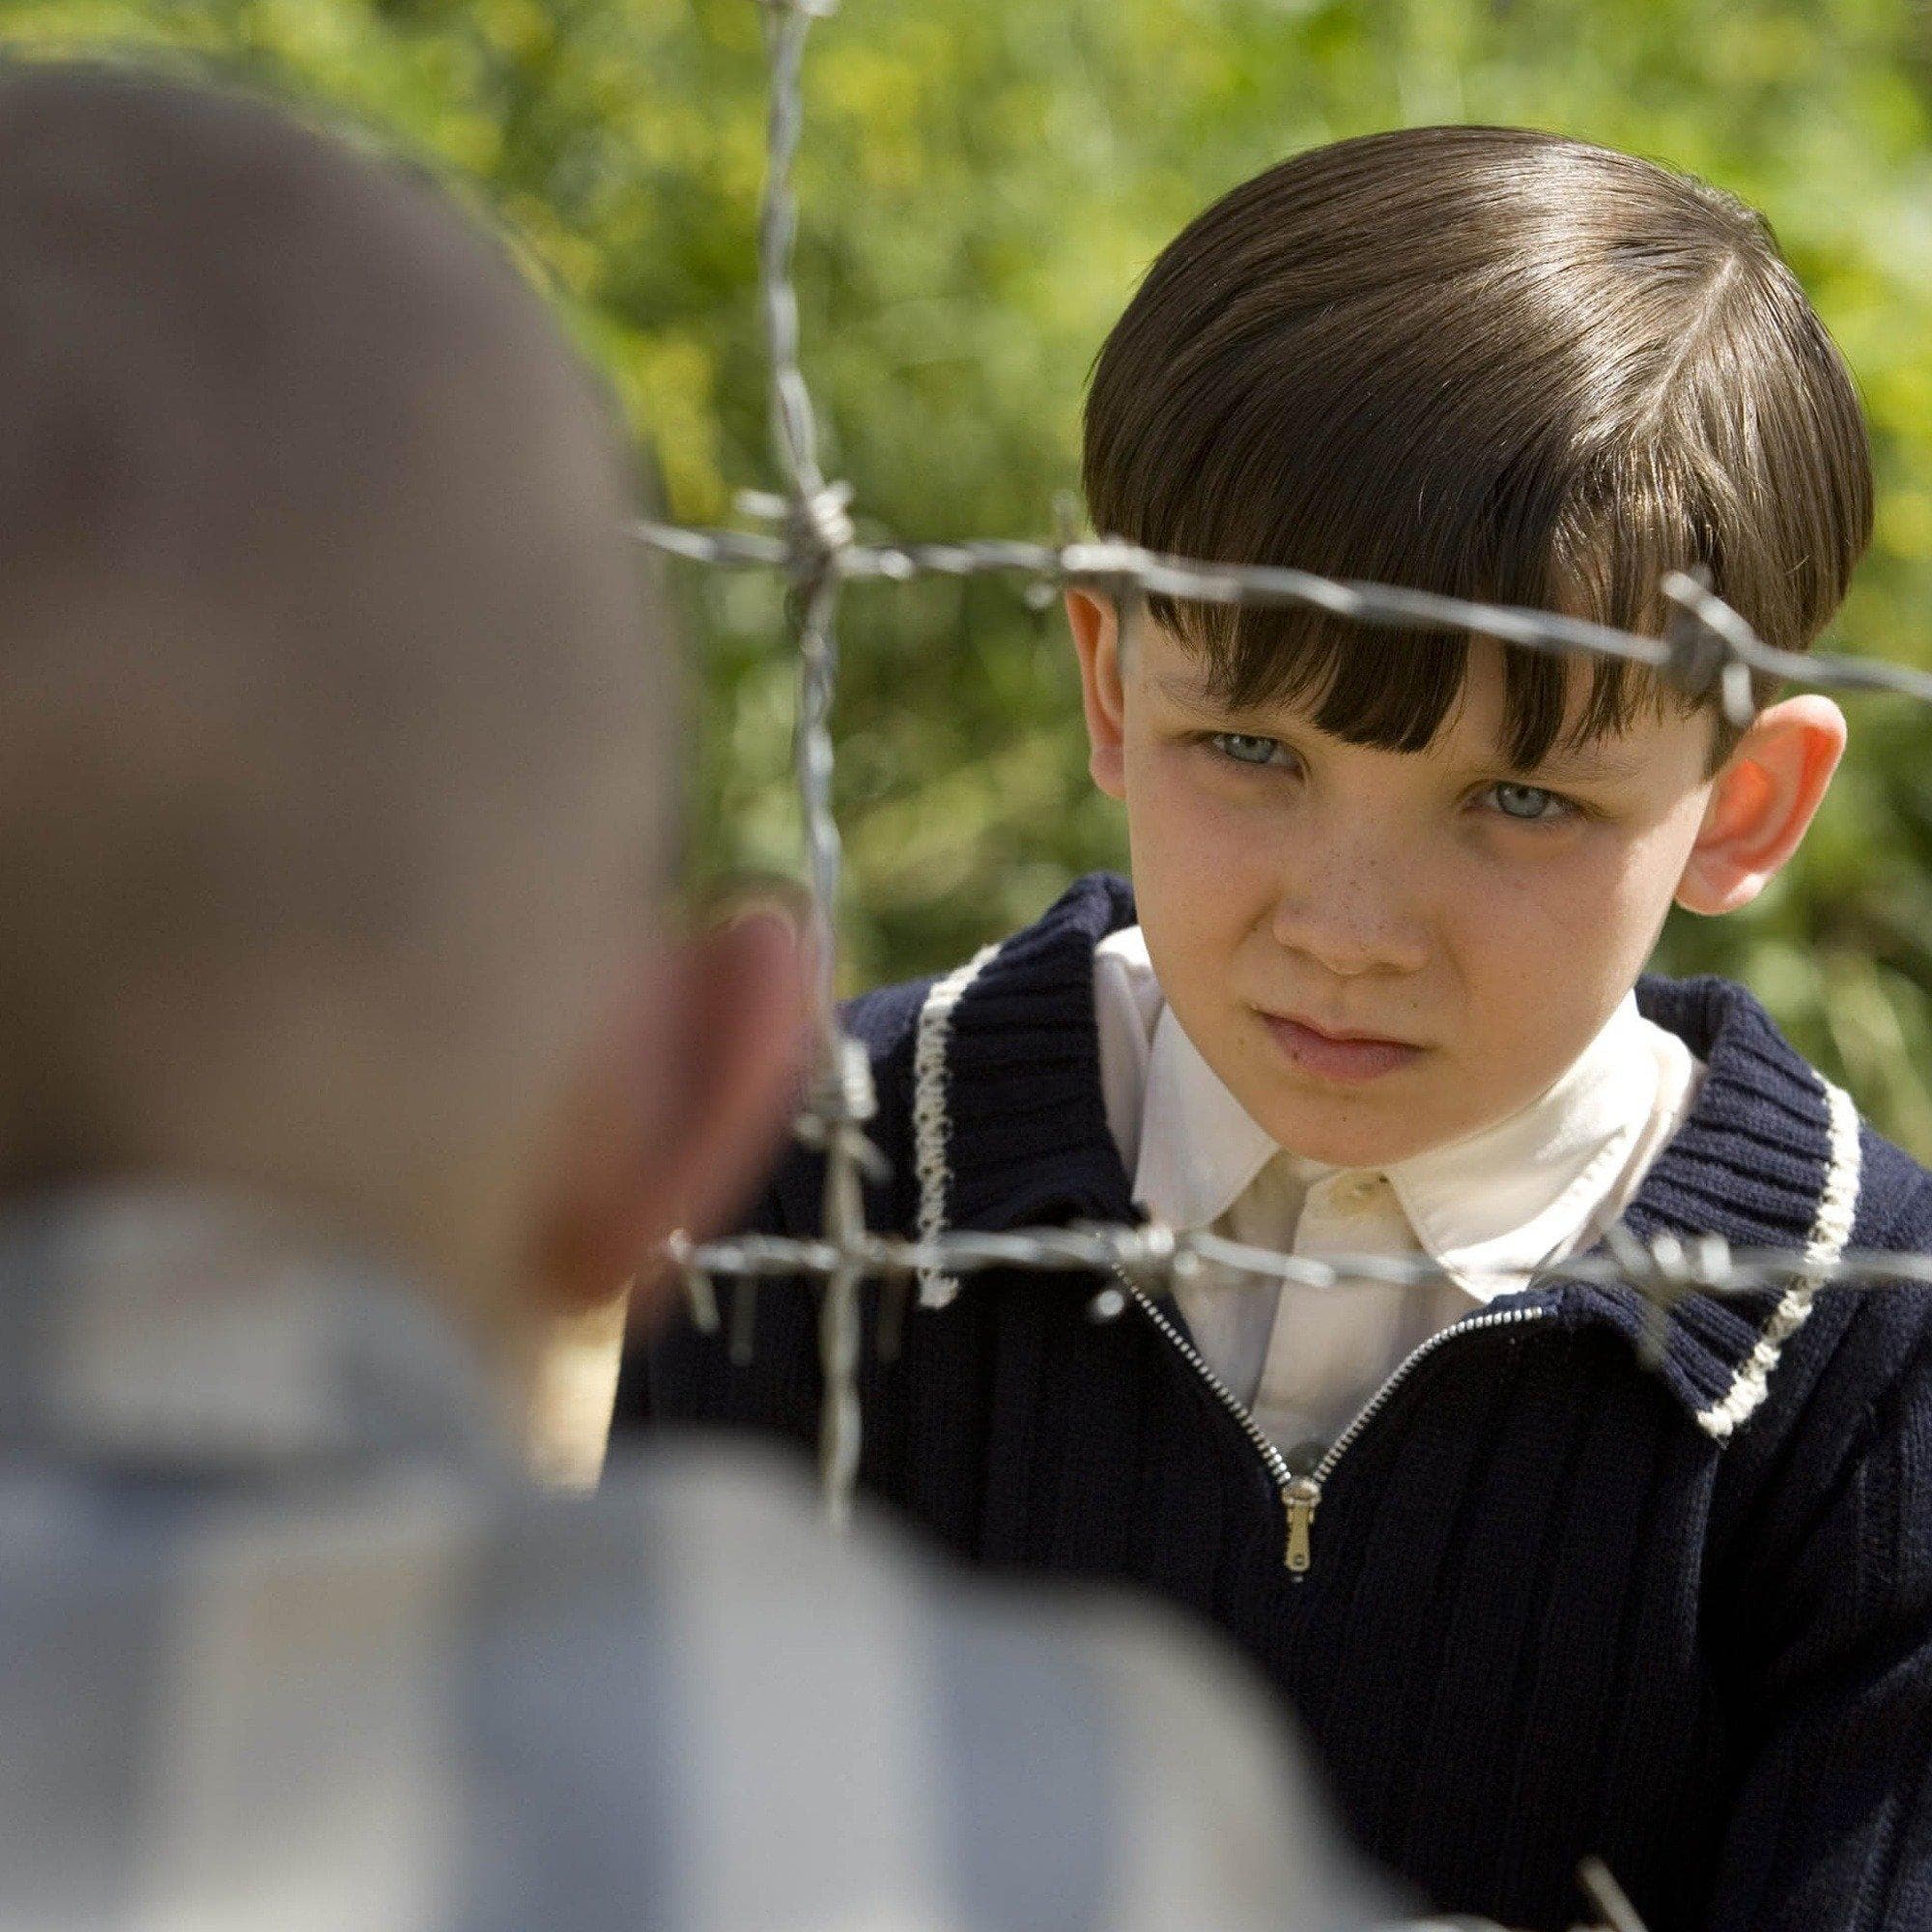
point(1352, 905)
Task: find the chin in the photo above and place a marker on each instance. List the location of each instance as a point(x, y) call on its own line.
point(1350, 1152)
point(1359, 1143)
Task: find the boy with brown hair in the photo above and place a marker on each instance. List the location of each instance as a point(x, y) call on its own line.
point(1376, 990)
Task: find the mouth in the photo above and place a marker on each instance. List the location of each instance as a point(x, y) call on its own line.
point(1349, 1058)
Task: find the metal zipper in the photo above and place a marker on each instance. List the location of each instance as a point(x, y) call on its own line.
point(1301, 1493)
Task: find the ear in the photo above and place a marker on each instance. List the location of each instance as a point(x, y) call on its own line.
point(1096, 642)
point(1762, 801)
point(681, 1114)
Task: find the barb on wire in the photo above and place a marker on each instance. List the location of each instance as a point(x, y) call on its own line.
point(699, 1293)
point(1607, 1897)
point(1665, 1269)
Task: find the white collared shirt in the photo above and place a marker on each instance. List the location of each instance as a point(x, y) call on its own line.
point(1490, 1208)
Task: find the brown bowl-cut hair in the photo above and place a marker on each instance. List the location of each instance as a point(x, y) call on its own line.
point(1489, 362)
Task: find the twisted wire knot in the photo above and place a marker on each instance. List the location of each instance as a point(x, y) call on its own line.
point(842, 1100)
point(1149, 1258)
point(1697, 653)
point(1709, 641)
point(845, 1091)
point(1664, 1270)
point(1148, 1252)
point(816, 524)
point(698, 1291)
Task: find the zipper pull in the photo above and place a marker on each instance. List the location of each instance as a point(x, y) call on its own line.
point(1300, 1499)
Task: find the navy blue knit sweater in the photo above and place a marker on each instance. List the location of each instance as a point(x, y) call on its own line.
point(1557, 1602)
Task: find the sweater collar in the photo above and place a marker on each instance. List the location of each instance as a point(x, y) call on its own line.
point(1008, 1090)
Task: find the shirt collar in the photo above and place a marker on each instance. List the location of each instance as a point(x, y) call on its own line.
point(1199, 1149)
point(1486, 1207)
point(190, 1334)
point(1498, 1204)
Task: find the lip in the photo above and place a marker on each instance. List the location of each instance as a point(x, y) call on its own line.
point(1347, 1058)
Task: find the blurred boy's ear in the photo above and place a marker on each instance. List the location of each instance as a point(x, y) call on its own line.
point(678, 1111)
point(676, 1124)
point(1097, 641)
point(1762, 801)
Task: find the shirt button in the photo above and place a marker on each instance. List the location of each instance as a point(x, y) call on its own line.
point(1357, 1190)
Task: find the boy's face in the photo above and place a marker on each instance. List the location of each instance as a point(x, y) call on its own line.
point(1470, 926)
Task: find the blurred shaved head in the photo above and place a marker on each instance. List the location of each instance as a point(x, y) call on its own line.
point(332, 715)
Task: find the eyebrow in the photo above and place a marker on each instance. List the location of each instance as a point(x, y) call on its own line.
point(1589, 762)
point(1193, 692)
point(1592, 762)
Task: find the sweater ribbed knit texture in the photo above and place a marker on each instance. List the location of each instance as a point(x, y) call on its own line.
point(1550, 1611)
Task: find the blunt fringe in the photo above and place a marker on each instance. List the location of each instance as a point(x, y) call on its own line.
point(1492, 363)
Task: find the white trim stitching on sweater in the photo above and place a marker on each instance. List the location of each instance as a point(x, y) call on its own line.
point(1830, 1233)
point(931, 1128)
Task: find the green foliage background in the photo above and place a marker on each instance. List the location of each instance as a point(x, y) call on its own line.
point(983, 181)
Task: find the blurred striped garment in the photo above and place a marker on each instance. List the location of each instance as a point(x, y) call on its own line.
point(285, 1643)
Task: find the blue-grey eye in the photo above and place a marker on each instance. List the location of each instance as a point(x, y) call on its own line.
point(1529, 802)
point(1244, 748)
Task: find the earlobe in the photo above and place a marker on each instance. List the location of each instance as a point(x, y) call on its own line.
point(1095, 623)
point(1762, 804)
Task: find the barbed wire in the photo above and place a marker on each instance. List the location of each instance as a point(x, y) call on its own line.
point(1706, 642)
point(812, 541)
point(1665, 1266)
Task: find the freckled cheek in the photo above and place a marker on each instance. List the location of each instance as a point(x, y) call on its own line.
point(1507, 909)
point(1200, 871)
point(1546, 952)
